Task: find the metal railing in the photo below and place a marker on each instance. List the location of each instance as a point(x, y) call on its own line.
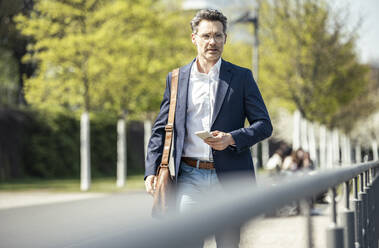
point(359, 228)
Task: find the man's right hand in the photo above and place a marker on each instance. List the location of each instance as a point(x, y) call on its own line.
point(150, 184)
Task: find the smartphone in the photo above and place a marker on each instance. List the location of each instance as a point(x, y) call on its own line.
point(204, 134)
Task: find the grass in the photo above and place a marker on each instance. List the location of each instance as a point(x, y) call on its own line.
point(101, 185)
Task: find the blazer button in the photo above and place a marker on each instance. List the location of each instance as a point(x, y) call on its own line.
point(214, 152)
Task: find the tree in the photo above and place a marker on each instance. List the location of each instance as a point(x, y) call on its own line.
point(9, 76)
point(365, 131)
point(97, 55)
point(363, 106)
point(308, 60)
point(63, 51)
point(141, 52)
point(102, 55)
point(13, 48)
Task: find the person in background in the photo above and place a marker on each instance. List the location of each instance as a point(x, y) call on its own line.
point(274, 164)
point(298, 160)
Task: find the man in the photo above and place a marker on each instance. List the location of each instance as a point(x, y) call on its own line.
point(217, 96)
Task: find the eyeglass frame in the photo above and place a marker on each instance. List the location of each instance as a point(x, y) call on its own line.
point(214, 37)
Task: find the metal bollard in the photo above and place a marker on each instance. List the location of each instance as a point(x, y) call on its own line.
point(334, 234)
point(347, 220)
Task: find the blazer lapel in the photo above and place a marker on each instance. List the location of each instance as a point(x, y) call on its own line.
point(181, 104)
point(222, 88)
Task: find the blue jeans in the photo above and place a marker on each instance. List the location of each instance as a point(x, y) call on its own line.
point(192, 184)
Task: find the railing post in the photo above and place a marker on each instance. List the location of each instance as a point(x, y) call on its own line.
point(306, 208)
point(376, 181)
point(375, 185)
point(371, 191)
point(363, 215)
point(347, 220)
point(368, 209)
point(370, 237)
point(357, 214)
point(334, 234)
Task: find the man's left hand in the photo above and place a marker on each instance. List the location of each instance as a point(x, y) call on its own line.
point(220, 140)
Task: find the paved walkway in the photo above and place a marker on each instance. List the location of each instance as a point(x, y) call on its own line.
point(21, 199)
point(281, 232)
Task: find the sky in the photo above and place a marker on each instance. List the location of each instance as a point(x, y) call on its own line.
point(368, 42)
point(367, 45)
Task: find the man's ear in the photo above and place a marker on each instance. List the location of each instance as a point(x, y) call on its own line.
point(225, 38)
point(193, 38)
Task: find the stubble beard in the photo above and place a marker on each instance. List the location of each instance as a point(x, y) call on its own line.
point(213, 56)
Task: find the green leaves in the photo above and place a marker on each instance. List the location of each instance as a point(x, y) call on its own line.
point(103, 55)
point(114, 55)
point(308, 60)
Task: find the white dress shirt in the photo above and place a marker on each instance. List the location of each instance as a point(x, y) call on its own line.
point(201, 98)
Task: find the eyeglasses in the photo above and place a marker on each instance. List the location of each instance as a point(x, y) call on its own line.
point(219, 37)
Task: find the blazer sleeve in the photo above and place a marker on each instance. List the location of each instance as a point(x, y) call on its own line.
point(256, 112)
point(156, 142)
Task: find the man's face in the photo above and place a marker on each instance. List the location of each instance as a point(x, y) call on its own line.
point(209, 40)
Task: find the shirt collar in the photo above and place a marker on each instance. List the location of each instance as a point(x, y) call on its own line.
point(214, 70)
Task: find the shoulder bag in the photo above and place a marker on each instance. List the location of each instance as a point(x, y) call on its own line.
point(164, 195)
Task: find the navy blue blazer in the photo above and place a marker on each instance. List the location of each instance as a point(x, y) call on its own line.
point(237, 98)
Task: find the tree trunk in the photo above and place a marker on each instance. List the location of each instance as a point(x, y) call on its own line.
point(85, 154)
point(312, 143)
point(121, 151)
point(358, 154)
point(322, 147)
point(304, 135)
point(336, 147)
point(329, 150)
point(374, 145)
point(265, 152)
point(296, 130)
point(147, 134)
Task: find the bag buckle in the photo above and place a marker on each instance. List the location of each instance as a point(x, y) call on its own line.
point(168, 128)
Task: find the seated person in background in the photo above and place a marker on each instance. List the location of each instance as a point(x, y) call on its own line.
point(275, 161)
point(290, 162)
point(307, 161)
point(298, 160)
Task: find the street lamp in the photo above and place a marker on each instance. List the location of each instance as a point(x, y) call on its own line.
point(247, 18)
point(253, 18)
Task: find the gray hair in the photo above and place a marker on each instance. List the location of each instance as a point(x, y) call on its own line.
point(210, 15)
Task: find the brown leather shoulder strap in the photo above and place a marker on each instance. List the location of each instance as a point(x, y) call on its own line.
point(171, 117)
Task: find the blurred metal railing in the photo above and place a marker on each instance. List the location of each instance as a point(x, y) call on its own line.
point(358, 227)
